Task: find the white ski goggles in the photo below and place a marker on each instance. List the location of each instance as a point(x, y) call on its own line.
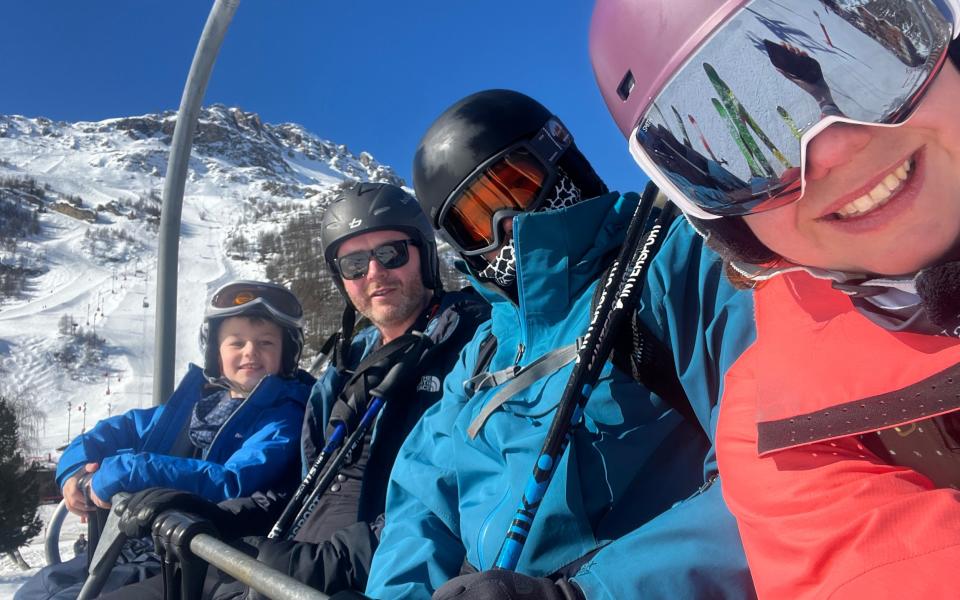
point(727, 135)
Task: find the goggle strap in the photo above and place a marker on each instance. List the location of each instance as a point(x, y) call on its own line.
point(259, 301)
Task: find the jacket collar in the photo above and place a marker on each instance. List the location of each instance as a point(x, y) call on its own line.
point(560, 253)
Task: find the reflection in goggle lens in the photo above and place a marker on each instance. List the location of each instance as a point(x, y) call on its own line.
point(772, 73)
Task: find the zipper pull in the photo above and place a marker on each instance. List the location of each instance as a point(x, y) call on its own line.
point(520, 349)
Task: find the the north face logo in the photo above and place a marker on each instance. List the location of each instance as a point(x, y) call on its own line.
point(428, 383)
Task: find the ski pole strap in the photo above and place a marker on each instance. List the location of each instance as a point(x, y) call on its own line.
point(108, 550)
point(520, 379)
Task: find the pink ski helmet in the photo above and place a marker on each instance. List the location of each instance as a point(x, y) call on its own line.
point(630, 59)
point(632, 64)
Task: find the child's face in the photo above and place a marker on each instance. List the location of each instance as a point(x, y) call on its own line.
point(250, 349)
point(888, 233)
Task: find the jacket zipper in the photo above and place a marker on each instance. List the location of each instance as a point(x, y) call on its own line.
point(522, 306)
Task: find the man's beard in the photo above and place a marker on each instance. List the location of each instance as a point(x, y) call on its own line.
point(407, 302)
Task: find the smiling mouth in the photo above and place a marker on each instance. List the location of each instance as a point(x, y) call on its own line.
point(381, 292)
point(881, 193)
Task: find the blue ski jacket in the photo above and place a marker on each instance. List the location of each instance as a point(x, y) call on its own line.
point(251, 452)
point(632, 510)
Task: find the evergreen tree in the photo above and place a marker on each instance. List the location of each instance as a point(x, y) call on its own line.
point(19, 497)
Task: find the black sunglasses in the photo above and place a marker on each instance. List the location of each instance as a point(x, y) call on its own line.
point(390, 255)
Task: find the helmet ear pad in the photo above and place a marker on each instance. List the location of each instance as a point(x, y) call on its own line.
point(290, 352)
point(209, 341)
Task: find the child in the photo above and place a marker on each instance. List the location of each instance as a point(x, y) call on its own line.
point(228, 430)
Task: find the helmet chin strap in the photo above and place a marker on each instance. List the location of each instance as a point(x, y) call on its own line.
point(927, 302)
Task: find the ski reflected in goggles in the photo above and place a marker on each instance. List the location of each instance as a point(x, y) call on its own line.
point(240, 294)
point(513, 181)
point(391, 255)
point(727, 134)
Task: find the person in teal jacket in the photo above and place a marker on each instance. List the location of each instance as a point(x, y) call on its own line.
point(633, 509)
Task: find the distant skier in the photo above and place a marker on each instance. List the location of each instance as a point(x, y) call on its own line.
point(229, 429)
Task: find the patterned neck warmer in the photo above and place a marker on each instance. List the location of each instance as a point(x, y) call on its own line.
point(502, 270)
point(209, 414)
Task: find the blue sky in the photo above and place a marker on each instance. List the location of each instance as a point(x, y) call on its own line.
point(371, 74)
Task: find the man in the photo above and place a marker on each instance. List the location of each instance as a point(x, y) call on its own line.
point(633, 509)
point(383, 256)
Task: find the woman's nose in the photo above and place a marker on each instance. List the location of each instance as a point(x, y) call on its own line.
point(833, 147)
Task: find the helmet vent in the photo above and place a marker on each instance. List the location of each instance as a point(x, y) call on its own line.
point(626, 86)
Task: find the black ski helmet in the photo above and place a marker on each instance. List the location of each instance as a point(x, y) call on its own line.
point(474, 129)
point(245, 298)
point(365, 207)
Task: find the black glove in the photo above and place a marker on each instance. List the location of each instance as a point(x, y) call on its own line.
point(144, 506)
point(506, 585)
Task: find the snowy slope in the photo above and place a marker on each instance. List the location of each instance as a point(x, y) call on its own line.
point(245, 177)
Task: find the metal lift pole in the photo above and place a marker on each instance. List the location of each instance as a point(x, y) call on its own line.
point(193, 92)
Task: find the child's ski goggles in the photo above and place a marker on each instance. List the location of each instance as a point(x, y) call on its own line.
point(242, 297)
point(512, 181)
point(727, 134)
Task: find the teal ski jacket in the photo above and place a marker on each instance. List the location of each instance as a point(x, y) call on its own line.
point(633, 510)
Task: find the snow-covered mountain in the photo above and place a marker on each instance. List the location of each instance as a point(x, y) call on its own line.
point(79, 209)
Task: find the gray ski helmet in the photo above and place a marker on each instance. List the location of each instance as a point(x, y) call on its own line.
point(473, 130)
point(245, 298)
point(365, 207)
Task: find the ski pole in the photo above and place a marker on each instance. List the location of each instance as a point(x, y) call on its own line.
point(308, 482)
point(314, 499)
point(616, 302)
point(408, 359)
